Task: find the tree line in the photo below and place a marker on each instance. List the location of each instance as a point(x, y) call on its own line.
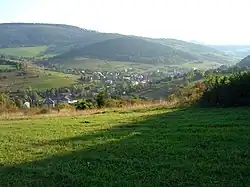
point(227, 90)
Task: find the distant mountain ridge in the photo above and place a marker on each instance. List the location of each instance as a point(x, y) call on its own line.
point(234, 50)
point(71, 41)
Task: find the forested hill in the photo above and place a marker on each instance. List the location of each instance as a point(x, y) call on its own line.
point(75, 41)
point(201, 52)
point(130, 49)
point(245, 62)
point(29, 34)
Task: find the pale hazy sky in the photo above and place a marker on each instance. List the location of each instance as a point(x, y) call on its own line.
point(209, 21)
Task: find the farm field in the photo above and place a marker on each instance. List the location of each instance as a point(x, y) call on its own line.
point(160, 91)
point(7, 67)
point(104, 65)
point(35, 80)
point(134, 147)
point(202, 65)
point(23, 51)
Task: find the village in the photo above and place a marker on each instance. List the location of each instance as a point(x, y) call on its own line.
point(125, 83)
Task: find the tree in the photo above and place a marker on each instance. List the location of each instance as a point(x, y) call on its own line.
point(6, 102)
point(35, 97)
point(100, 100)
point(18, 102)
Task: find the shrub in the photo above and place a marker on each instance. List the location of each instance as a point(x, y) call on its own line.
point(187, 95)
point(43, 111)
point(227, 91)
point(6, 104)
point(100, 100)
point(113, 103)
point(82, 105)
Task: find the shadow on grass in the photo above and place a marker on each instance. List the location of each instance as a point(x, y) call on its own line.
point(171, 149)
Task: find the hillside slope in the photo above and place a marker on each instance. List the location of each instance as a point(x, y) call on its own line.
point(202, 52)
point(130, 49)
point(245, 62)
point(136, 147)
point(54, 35)
point(75, 41)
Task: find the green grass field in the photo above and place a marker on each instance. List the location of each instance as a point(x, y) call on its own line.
point(203, 66)
point(156, 147)
point(160, 91)
point(104, 65)
point(7, 67)
point(23, 51)
point(36, 80)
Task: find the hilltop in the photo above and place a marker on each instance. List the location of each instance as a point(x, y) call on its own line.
point(70, 42)
point(201, 52)
point(130, 49)
point(58, 37)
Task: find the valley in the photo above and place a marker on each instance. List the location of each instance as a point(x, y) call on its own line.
point(60, 55)
point(80, 107)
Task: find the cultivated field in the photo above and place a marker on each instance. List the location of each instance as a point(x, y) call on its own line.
point(7, 67)
point(36, 79)
point(135, 147)
point(202, 65)
point(104, 65)
point(24, 51)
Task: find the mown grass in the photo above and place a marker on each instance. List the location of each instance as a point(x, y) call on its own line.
point(104, 65)
point(157, 147)
point(202, 65)
point(36, 79)
point(7, 67)
point(23, 51)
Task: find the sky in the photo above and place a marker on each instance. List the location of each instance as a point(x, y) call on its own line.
point(207, 21)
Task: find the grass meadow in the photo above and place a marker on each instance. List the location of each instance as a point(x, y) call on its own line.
point(37, 79)
point(4, 67)
point(132, 147)
point(23, 51)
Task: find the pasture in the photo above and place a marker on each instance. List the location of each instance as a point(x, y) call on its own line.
point(36, 79)
point(133, 147)
point(103, 65)
point(24, 51)
point(2, 67)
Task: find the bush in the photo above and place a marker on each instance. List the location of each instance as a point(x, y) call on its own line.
point(82, 105)
point(113, 103)
point(187, 96)
point(43, 111)
point(6, 104)
point(100, 100)
point(227, 91)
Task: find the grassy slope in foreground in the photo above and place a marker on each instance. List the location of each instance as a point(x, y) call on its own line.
point(192, 147)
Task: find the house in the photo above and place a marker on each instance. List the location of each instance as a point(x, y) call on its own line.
point(134, 83)
point(26, 104)
point(67, 100)
point(72, 101)
point(48, 102)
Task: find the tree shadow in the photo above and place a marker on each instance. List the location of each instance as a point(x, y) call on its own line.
point(170, 149)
